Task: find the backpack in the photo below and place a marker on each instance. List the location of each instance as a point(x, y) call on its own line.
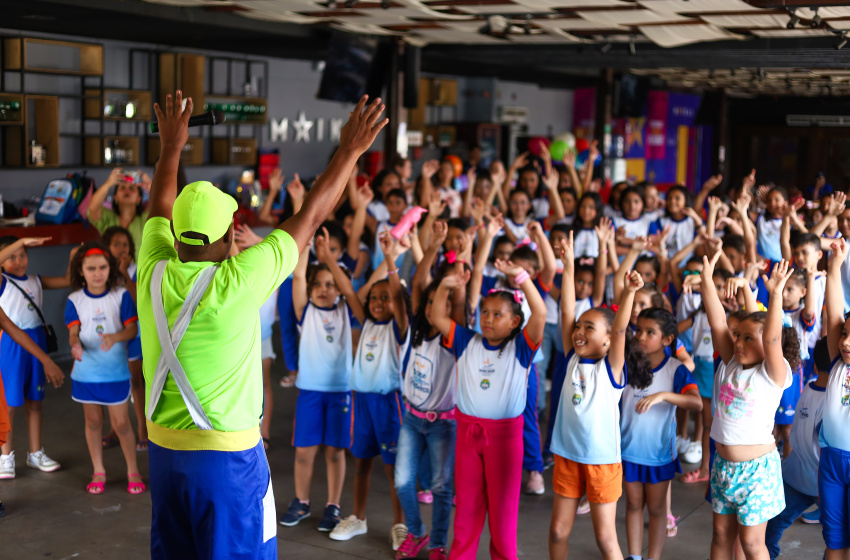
point(60, 203)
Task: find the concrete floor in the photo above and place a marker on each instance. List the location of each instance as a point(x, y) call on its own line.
point(51, 515)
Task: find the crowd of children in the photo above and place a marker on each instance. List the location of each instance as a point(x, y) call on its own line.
point(426, 320)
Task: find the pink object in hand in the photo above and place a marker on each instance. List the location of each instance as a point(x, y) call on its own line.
point(404, 225)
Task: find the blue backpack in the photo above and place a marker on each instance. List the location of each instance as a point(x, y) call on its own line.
point(61, 199)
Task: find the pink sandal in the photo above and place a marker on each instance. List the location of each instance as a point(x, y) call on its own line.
point(672, 529)
point(96, 487)
point(693, 477)
point(135, 487)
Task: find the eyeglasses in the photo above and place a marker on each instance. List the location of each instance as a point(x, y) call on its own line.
point(691, 273)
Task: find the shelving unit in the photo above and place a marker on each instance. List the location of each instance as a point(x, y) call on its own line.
point(11, 109)
point(37, 55)
point(234, 151)
point(185, 72)
point(114, 103)
point(112, 151)
point(193, 151)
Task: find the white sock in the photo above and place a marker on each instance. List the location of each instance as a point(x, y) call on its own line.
point(636, 557)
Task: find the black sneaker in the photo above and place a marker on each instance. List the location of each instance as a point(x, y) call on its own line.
point(296, 512)
point(330, 519)
point(548, 462)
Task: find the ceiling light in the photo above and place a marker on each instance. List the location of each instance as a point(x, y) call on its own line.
point(815, 20)
point(498, 26)
point(793, 19)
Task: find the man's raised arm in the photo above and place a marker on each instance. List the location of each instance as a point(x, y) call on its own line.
point(355, 138)
point(173, 134)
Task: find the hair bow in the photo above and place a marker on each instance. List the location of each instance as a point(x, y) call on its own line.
point(589, 261)
point(614, 307)
point(786, 321)
point(516, 293)
point(527, 242)
point(451, 257)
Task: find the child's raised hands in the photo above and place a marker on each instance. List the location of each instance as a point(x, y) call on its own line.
point(535, 231)
point(508, 268)
point(478, 210)
point(496, 224)
point(430, 167)
point(34, 241)
point(365, 194)
point(439, 232)
point(322, 246)
point(275, 181)
point(436, 205)
point(604, 230)
point(708, 267)
point(742, 205)
point(497, 174)
point(839, 253)
point(245, 237)
point(713, 182)
point(714, 203)
point(634, 281)
point(838, 204)
point(749, 181)
point(296, 189)
point(732, 285)
point(782, 271)
point(520, 161)
point(456, 280)
point(567, 251)
point(692, 283)
point(386, 241)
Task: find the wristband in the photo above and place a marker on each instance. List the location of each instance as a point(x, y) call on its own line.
point(520, 278)
point(392, 272)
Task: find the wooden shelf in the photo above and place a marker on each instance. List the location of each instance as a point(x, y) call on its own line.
point(39, 55)
point(234, 151)
point(95, 150)
point(193, 151)
point(118, 99)
point(184, 72)
point(64, 234)
point(8, 102)
point(42, 117)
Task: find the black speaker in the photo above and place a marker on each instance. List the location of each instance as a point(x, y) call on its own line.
point(379, 71)
point(412, 63)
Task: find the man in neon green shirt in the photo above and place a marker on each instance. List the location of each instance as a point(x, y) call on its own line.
point(210, 483)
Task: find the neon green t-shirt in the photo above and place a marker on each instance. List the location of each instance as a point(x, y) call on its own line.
point(109, 218)
point(220, 351)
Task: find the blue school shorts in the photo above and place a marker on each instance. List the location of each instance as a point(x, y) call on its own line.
point(834, 491)
point(789, 400)
point(322, 418)
point(634, 472)
point(23, 375)
point(211, 504)
point(751, 490)
point(377, 423)
point(134, 350)
point(106, 394)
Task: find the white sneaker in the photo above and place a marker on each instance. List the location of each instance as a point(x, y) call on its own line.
point(7, 466)
point(694, 453)
point(397, 535)
point(42, 462)
point(348, 528)
point(682, 444)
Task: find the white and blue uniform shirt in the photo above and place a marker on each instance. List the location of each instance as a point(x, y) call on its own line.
point(107, 313)
point(701, 337)
point(15, 305)
point(642, 226)
point(820, 294)
point(429, 381)
point(377, 365)
point(682, 232)
point(586, 243)
point(491, 380)
point(768, 231)
point(804, 331)
point(540, 207)
point(324, 349)
point(519, 231)
point(650, 438)
point(500, 283)
point(836, 408)
point(378, 210)
point(685, 305)
point(800, 468)
point(268, 311)
point(587, 425)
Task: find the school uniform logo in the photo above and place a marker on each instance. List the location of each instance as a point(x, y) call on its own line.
point(485, 384)
point(371, 344)
point(576, 399)
point(329, 329)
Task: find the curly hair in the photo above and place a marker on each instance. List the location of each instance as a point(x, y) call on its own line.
point(110, 232)
point(78, 281)
point(790, 340)
point(638, 368)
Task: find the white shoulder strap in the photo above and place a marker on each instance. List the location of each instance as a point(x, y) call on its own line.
point(170, 340)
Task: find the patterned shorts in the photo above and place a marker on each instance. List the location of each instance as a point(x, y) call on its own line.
point(752, 490)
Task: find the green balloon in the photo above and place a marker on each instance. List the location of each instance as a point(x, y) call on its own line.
point(558, 150)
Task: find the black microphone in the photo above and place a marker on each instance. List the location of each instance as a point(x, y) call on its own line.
point(210, 117)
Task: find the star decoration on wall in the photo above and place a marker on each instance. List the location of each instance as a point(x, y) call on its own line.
point(302, 128)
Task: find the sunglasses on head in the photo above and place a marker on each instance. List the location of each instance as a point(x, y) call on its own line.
point(691, 273)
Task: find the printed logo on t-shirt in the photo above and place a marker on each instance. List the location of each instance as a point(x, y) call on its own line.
point(329, 338)
point(99, 329)
point(329, 328)
point(487, 368)
point(369, 357)
point(804, 412)
point(422, 368)
point(576, 399)
point(738, 403)
point(485, 384)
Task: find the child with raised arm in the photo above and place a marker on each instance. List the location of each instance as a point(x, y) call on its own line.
point(23, 375)
point(376, 380)
point(833, 479)
point(492, 375)
point(746, 477)
point(323, 408)
point(586, 438)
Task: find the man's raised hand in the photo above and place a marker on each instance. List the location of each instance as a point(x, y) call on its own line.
point(173, 123)
point(363, 126)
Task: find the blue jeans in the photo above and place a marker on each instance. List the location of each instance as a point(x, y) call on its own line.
point(795, 503)
point(425, 470)
point(438, 437)
point(532, 457)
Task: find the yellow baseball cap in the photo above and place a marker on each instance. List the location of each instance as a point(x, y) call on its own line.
point(202, 214)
